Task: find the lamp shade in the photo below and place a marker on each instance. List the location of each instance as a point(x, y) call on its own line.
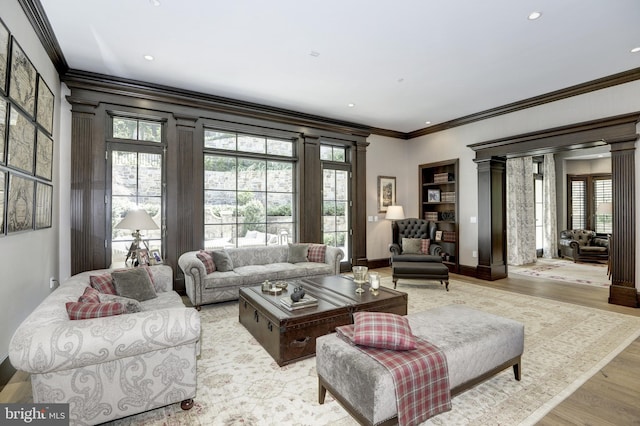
point(605, 208)
point(136, 220)
point(395, 213)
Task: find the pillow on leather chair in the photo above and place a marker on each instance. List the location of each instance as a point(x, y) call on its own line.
point(412, 246)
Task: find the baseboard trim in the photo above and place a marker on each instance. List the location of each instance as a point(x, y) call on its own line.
point(6, 372)
point(385, 262)
point(468, 271)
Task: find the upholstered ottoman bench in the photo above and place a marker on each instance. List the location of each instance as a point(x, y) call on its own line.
point(426, 270)
point(477, 345)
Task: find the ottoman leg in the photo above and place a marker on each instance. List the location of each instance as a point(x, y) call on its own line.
point(322, 392)
point(395, 282)
point(516, 370)
point(446, 284)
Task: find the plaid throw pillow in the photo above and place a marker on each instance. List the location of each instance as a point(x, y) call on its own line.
point(316, 253)
point(207, 260)
point(90, 295)
point(383, 330)
point(103, 283)
point(425, 244)
point(79, 310)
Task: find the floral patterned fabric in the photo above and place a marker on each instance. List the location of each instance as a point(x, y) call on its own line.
point(111, 367)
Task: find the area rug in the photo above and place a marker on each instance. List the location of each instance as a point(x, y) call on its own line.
point(593, 274)
point(240, 384)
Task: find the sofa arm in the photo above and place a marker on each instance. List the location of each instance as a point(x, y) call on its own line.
point(395, 249)
point(65, 345)
point(333, 256)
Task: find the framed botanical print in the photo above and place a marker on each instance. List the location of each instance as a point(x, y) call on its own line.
point(22, 79)
point(20, 204)
point(4, 56)
point(386, 192)
point(44, 156)
point(44, 113)
point(44, 199)
point(21, 141)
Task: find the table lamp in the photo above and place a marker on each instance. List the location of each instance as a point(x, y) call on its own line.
point(135, 220)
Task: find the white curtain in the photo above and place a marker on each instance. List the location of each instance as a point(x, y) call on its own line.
point(549, 214)
point(521, 221)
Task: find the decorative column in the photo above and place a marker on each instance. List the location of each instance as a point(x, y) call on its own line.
point(87, 188)
point(492, 223)
point(623, 289)
point(310, 214)
point(359, 199)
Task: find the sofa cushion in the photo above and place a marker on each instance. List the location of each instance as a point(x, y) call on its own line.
point(133, 283)
point(222, 260)
point(90, 295)
point(80, 310)
point(207, 260)
point(223, 279)
point(103, 283)
point(411, 245)
point(298, 253)
point(383, 330)
point(254, 274)
point(131, 305)
point(317, 253)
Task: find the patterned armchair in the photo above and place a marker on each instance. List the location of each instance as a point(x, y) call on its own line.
point(581, 244)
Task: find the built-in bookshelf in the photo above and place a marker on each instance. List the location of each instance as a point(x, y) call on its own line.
point(439, 204)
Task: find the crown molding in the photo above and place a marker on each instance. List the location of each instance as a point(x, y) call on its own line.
point(35, 13)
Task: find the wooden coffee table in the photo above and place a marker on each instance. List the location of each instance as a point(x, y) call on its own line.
point(289, 336)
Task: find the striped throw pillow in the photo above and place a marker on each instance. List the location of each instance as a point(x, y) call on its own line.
point(317, 253)
point(80, 311)
point(206, 258)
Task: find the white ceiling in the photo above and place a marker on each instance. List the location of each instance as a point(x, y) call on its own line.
point(400, 62)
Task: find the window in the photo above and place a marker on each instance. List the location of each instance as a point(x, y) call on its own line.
point(137, 181)
point(336, 198)
point(538, 182)
point(587, 195)
point(249, 190)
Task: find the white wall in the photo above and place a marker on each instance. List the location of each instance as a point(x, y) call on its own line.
point(28, 259)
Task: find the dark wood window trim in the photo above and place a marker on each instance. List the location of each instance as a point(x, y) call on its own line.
point(94, 99)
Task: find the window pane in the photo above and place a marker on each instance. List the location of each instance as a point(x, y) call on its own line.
point(326, 153)
point(329, 184)
point(124, 173)
point(279, 176)
point(219, 172)
point(219, 206)
point(339, 154)
point(602, 194)
point(252, 175)
point(280, 147)
point(279, 207)
point(342, 180)
point(124, 128)
point(578, 205)
point(251, 144)
point(252, 209)
point(150, 174)
point(150, 131)
point(219, 140)
point(219, 236)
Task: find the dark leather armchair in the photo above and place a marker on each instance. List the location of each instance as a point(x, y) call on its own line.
point(581, 244)
point(414, 228)
point(416, 264)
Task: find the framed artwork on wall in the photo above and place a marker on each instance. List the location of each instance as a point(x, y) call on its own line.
point(22, 79)
point(44, 156)
point(4, 56)
point(44, 199)
point(44, 113)
point(21, 141)
point(20, 204)
point(386, 192)
point(3, 127)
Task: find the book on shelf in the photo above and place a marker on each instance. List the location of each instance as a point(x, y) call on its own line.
point(305, 302)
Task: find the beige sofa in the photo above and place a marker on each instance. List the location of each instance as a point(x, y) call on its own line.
point(110, 367)
point(251, 266)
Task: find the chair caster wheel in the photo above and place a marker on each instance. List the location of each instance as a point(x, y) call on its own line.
point(187, 404)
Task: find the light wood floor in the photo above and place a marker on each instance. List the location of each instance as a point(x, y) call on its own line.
point(610, 397)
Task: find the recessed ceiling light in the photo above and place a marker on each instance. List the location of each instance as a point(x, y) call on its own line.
point(351, 105)
point(534, 15)
point(155, 3)
point(427, 122)
point(149, 57)
point(314, 53)
point(400, 80)
point(635, 49)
